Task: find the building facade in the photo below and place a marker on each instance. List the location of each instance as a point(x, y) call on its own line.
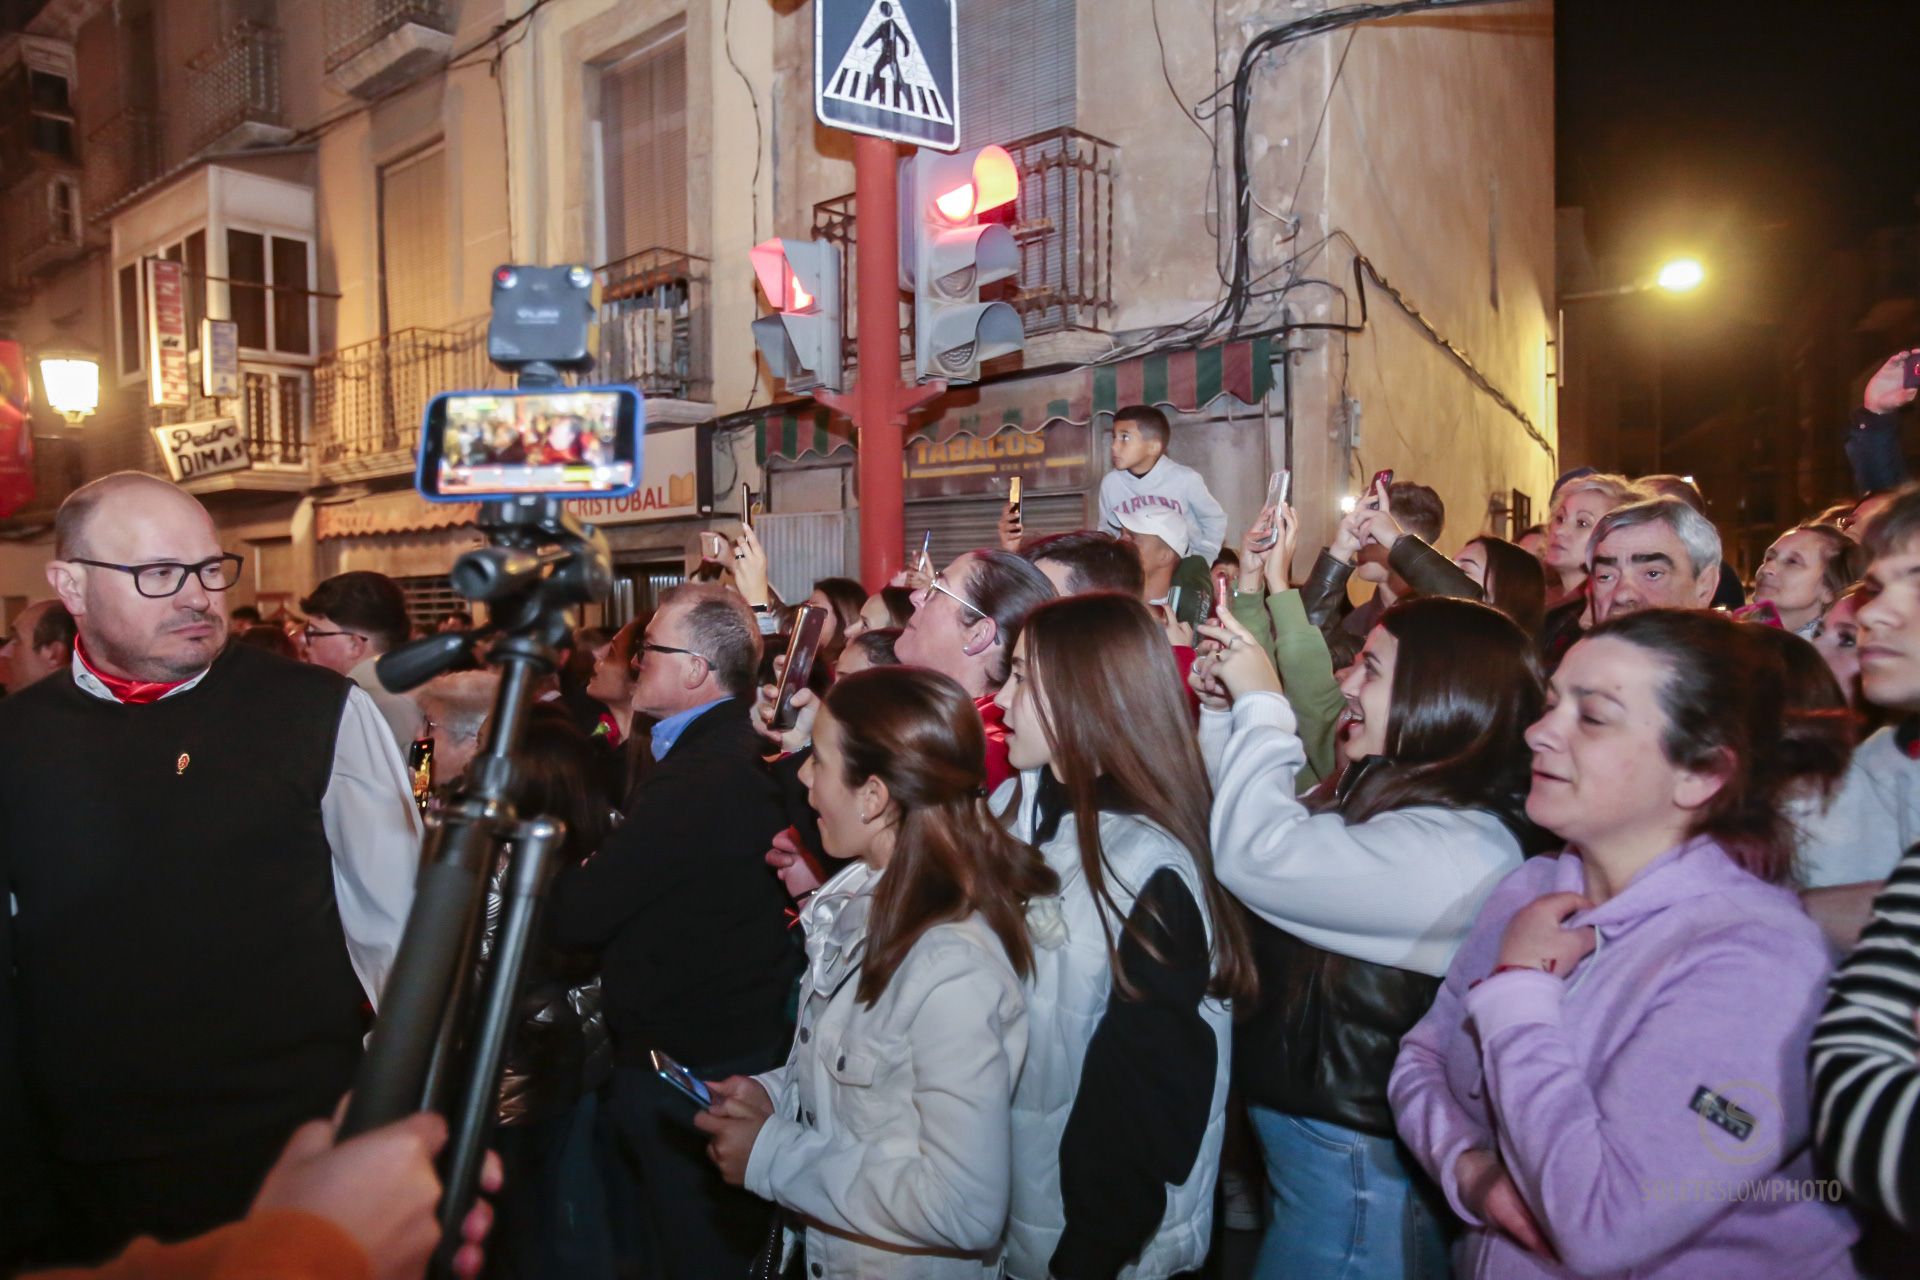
point(337, 182)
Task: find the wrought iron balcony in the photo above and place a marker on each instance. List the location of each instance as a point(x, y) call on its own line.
point(373, 46)
point(368, 399)
point(1062, 223)
point(653, 324)
point(123, 155)
point(233, 95)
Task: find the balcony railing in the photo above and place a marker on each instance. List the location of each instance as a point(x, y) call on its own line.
point(368, 399)
point(235, 83)
point(1062, 224)
point(354, 26)
point(653, 324)
point(123, 155)
point(43, 224)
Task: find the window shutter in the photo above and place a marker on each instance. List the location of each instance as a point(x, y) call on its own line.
point(413, 241)
point(643, 129)
point(1017, 75)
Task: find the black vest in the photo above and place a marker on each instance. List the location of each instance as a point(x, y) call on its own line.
point(180, 971)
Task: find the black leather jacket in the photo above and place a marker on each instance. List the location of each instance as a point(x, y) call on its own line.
point(560, 1048)
point(1323, 1040)
point(1425, 571)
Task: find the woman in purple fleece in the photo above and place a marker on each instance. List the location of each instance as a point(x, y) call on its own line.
point(1613, 1079)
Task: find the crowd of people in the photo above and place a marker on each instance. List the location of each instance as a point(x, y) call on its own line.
point(1552, 911)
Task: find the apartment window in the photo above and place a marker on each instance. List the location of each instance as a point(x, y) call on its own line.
point(50, 104)
point(130, 298)
point(274, 404)
point(132, 321)
point(643, 150)
point(267, 291)
point(415, 279)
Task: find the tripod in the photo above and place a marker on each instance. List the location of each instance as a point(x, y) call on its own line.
point(541, 563)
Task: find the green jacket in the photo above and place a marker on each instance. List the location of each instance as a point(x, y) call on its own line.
point(1299, 653)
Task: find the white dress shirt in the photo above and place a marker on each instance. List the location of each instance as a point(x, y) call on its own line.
point(403, 714)
point(371, 825)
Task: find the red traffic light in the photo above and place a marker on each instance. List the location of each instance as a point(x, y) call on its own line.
point(993, 182)
point(778, 278)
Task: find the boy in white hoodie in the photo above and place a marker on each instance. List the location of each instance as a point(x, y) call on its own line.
point(1143, 476)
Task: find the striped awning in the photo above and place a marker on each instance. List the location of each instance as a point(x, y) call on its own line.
point(1186, 381)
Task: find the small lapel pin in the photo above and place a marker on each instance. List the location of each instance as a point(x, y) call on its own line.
point(180, 765)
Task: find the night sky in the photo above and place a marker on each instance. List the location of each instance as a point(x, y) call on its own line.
point(1709, 118)
point(1756, 135)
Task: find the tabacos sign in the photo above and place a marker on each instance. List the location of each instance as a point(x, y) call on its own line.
point(196, 449)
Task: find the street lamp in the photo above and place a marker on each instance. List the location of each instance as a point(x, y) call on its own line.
point(1681, 275)
point(71, 380)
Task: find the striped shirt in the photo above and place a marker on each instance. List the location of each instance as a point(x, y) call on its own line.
point(1866, 1057)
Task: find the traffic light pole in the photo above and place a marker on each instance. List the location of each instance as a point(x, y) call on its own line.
point(879, 402)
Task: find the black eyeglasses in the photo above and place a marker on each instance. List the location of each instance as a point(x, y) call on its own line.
point(164, 578)
point(647, 646)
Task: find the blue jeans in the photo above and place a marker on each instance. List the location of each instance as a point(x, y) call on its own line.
point(1343, 1205)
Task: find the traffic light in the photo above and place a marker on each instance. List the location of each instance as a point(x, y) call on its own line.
point(947, 253)
point(801, 345)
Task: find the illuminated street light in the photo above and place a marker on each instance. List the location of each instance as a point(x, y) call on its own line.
point(72, 383)
point(1680, 275)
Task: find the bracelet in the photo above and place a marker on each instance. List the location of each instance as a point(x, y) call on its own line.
point(1506, 968)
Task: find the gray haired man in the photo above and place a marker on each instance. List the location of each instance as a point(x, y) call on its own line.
point(1657, 554)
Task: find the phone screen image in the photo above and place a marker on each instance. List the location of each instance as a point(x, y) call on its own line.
point(681, 1078)
point(571, 442)
point(802, 648)
point(1013, 494)
point(926, 554)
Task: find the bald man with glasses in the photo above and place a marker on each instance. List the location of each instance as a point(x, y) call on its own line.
point(211, 854)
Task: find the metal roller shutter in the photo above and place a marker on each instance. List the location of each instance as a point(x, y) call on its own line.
point(966, 524)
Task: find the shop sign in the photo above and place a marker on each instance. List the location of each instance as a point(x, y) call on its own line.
point(167, 379)
point(669, 483)
point(1052, 458)
point(196, 449)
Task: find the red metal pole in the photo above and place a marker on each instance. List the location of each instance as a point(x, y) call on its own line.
point(879, 403)
point(879, 415)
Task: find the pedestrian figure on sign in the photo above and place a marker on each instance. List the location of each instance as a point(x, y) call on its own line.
point(893, 47)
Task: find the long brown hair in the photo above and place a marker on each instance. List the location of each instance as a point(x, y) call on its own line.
point(1466, 684)
point(1110, 703)
point(918, 732)
point(1516, 583)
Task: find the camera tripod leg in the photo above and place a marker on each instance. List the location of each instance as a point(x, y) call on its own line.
point(529, 872)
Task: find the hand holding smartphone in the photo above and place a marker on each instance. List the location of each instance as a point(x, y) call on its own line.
point(802, 647)
point(1278, 485)
point(683, 1080)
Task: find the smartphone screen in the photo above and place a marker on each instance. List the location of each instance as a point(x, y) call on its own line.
point(575, 442)
point(1013, 495)
point(926, 554)
point(1173, 603)
point(1911, 373)
point(802, 648)
point(1381, 477)
point(681, 1078)
point(1221, 606)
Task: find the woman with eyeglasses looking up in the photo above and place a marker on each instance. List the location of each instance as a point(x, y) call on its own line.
point(887, 1136)
point(1121, 1110)
point(1362, 899)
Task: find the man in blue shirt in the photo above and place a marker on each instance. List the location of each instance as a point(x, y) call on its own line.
point(690, 926)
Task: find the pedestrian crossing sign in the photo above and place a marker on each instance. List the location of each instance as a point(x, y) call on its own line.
point(889, 68)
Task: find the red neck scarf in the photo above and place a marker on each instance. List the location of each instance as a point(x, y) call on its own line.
point(135, 692)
